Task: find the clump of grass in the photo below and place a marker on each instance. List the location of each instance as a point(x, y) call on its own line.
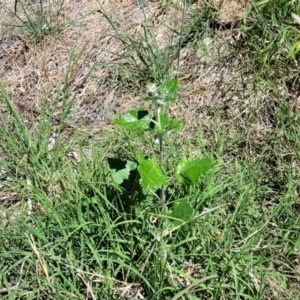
point(267, 37)
point(37, 19)
point(146, 57)
point(200, 24)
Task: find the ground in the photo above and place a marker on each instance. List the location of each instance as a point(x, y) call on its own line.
point(70, 71)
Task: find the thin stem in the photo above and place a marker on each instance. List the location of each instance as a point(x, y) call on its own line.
point(161, 161)
point(161, 156)
point(15, 7)
point(181, 33)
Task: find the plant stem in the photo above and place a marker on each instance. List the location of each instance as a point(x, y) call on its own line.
point(161, 156)
point(15, 7)
point(161, 161)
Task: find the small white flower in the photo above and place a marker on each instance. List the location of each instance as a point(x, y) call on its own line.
point(152, 89)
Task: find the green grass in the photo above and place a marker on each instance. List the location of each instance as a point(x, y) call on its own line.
point(39, 18)
point(144, 58)
point(36, 18)
point(85, 238)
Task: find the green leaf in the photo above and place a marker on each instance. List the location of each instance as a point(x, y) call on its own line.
point(152, 175)
point(167, 125)
point(168, 91)
point(174, 125)
point(164, 122)
point(121, 175)
point(136, 120)
point(295, 49)
point(190, 171)
point(183, 211)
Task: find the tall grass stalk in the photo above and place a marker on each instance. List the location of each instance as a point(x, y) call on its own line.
point(145, 57)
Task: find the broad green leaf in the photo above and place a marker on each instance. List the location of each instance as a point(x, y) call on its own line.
point(174, 126)
point(190, 171)
point(121, 175)
point(152, 175)
point(164, 122)
point(167, 125)
point(136, 120)
point(183, 211)
point(168, 91)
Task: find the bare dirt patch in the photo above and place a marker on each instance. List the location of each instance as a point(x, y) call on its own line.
point(230, 11)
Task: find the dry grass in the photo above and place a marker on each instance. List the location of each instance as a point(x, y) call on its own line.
point(31, 71)
point(230, 11)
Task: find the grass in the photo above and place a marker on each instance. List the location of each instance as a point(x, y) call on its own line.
point(68, 232)
point(144, 57)
point(36, 18)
